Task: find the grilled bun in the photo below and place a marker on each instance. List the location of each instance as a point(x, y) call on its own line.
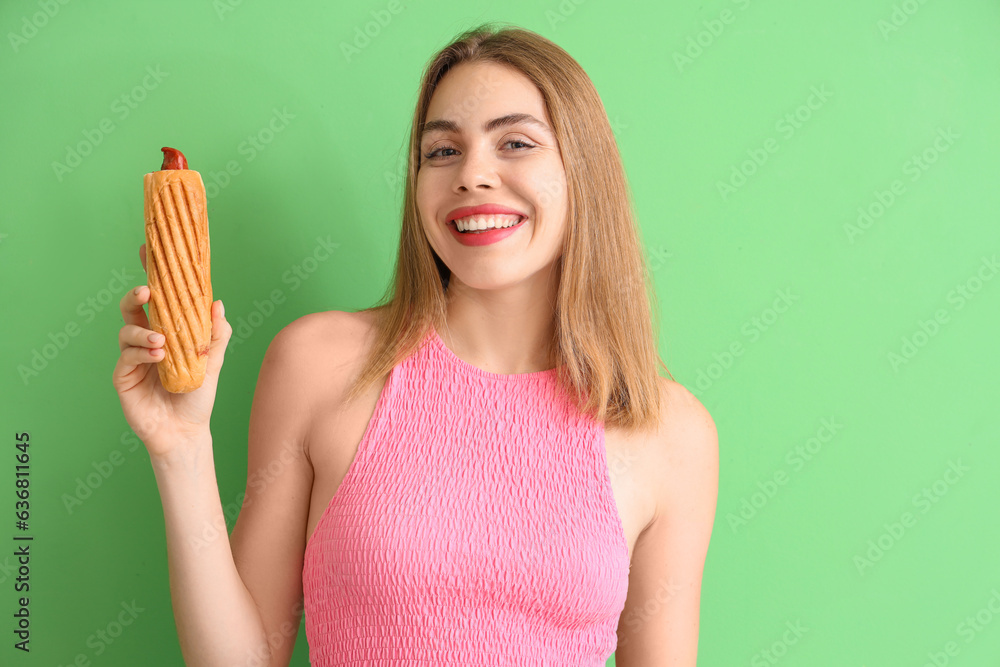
point(179, 274)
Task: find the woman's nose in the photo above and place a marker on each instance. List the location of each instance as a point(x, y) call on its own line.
point(478, 167)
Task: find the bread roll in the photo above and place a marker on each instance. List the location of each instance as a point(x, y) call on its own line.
point(179, 276)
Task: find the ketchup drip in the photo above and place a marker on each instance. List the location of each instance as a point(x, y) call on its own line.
point(173, 159)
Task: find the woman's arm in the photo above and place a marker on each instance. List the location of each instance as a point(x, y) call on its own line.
point(269, 537)
point(237, 600)
point(659, 625)
point(214, 612)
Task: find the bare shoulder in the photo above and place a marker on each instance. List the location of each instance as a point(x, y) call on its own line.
point(315, 356)
point(307, 360)
point(317, 345)
point(685, 424)
point(686, 451)
point(325, 333)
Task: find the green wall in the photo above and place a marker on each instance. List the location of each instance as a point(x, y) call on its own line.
point(818, 194)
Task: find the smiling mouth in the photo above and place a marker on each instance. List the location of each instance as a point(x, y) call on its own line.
point(504, 225)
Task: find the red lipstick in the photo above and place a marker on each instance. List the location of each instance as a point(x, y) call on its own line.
point(484, 237)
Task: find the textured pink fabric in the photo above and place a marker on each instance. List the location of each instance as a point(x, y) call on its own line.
point(476, 526)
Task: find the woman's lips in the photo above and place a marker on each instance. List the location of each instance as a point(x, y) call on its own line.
point(482, 209)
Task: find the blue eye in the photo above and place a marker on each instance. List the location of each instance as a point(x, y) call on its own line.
point(435, 153)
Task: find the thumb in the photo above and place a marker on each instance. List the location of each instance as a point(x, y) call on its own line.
point(222, 331)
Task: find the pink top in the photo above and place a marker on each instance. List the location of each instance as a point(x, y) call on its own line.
point(475, 526)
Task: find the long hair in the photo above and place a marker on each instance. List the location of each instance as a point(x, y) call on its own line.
point(604, 344)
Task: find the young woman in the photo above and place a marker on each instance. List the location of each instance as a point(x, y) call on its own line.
point(484, 469)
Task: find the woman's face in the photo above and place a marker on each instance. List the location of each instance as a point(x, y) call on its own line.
point(514, 164)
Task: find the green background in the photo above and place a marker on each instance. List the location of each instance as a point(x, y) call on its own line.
point(847, 364)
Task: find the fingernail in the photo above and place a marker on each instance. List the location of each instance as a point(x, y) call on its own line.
point(155, 338)
point(137, 290)
point(222, 308)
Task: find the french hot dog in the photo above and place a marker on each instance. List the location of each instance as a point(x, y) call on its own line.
point(178, 270)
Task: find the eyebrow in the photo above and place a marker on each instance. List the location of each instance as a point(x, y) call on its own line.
point(443, 125)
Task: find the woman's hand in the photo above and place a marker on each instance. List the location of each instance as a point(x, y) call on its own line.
point(164, 422)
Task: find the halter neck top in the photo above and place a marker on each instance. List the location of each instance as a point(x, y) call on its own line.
point(476, 525)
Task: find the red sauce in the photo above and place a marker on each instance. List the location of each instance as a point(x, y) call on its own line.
point(173, 159)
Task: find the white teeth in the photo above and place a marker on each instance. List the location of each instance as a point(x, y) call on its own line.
point(478, 222)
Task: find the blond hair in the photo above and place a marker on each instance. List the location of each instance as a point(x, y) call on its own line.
point(604, 344)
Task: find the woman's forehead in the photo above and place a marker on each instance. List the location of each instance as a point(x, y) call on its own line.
point(486, 96)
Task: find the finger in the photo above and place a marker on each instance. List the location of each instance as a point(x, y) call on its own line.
point(131, 306)
point(142, 256)
point(222, 331)
point(133, 356)
point(134, 335)
point(129, 368)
